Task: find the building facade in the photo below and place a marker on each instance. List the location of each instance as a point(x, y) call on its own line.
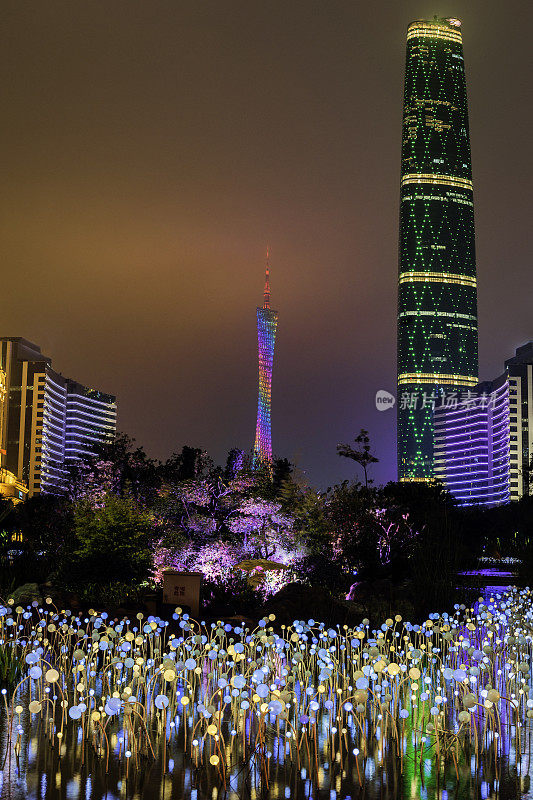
point(471, 445)
point(47, 419)
point(437, 292)
point(90, 419)
point(10, 487)
point(519, 371)
point(484, 444)
point(267, 323)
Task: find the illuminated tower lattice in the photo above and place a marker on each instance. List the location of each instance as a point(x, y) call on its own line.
point(267, 322)
point(437, 293)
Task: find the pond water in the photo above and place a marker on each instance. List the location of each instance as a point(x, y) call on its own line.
point(42, 772)
point(143, 709)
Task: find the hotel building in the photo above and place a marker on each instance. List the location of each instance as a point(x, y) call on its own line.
point(48, 420)
point(484, 442)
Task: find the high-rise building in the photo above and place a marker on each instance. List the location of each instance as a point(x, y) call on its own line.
point(437, 294)
point(267, 322)
point(519, 370)
point(48, 420)
point(484, 442)
point(471, 444)
point(10, 487)
point(91, 418)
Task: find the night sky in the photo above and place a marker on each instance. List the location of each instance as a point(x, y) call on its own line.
point(152, 150)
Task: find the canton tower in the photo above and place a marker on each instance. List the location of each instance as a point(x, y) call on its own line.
point(437, 292)
point(267, 322)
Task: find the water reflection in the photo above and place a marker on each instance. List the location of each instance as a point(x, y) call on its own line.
point(41, 773)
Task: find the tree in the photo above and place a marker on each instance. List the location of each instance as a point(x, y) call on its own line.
point(360, 454)
point(282, 470)
point(110, 553)
point(265, 528)
point(353, 532)
point(191, 464)
point(45, 522)
point(118, 467)
point(198, 510)
point(236, 462)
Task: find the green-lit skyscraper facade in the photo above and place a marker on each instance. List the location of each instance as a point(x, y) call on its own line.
point(437, 294)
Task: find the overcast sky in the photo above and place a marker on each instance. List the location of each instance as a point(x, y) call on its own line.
point(150, 152)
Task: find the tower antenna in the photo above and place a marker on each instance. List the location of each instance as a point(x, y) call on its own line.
point(266, 294)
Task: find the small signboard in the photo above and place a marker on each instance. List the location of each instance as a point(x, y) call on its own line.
point(182, 589)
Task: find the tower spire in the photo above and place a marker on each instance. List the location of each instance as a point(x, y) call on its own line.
point(266, 295)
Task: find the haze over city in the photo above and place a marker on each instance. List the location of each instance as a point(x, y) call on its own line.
point(239, 228)
point(153, 151)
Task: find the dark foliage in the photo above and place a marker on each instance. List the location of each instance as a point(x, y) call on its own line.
point(409, 539)
point(109, 553)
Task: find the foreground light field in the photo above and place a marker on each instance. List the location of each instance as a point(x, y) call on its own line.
point(198, 710)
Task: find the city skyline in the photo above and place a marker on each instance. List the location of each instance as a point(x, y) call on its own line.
point(150, 154)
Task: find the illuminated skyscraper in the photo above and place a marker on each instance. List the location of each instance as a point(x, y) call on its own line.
point(267, 322)
point(437, 293)
point(48, 421)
